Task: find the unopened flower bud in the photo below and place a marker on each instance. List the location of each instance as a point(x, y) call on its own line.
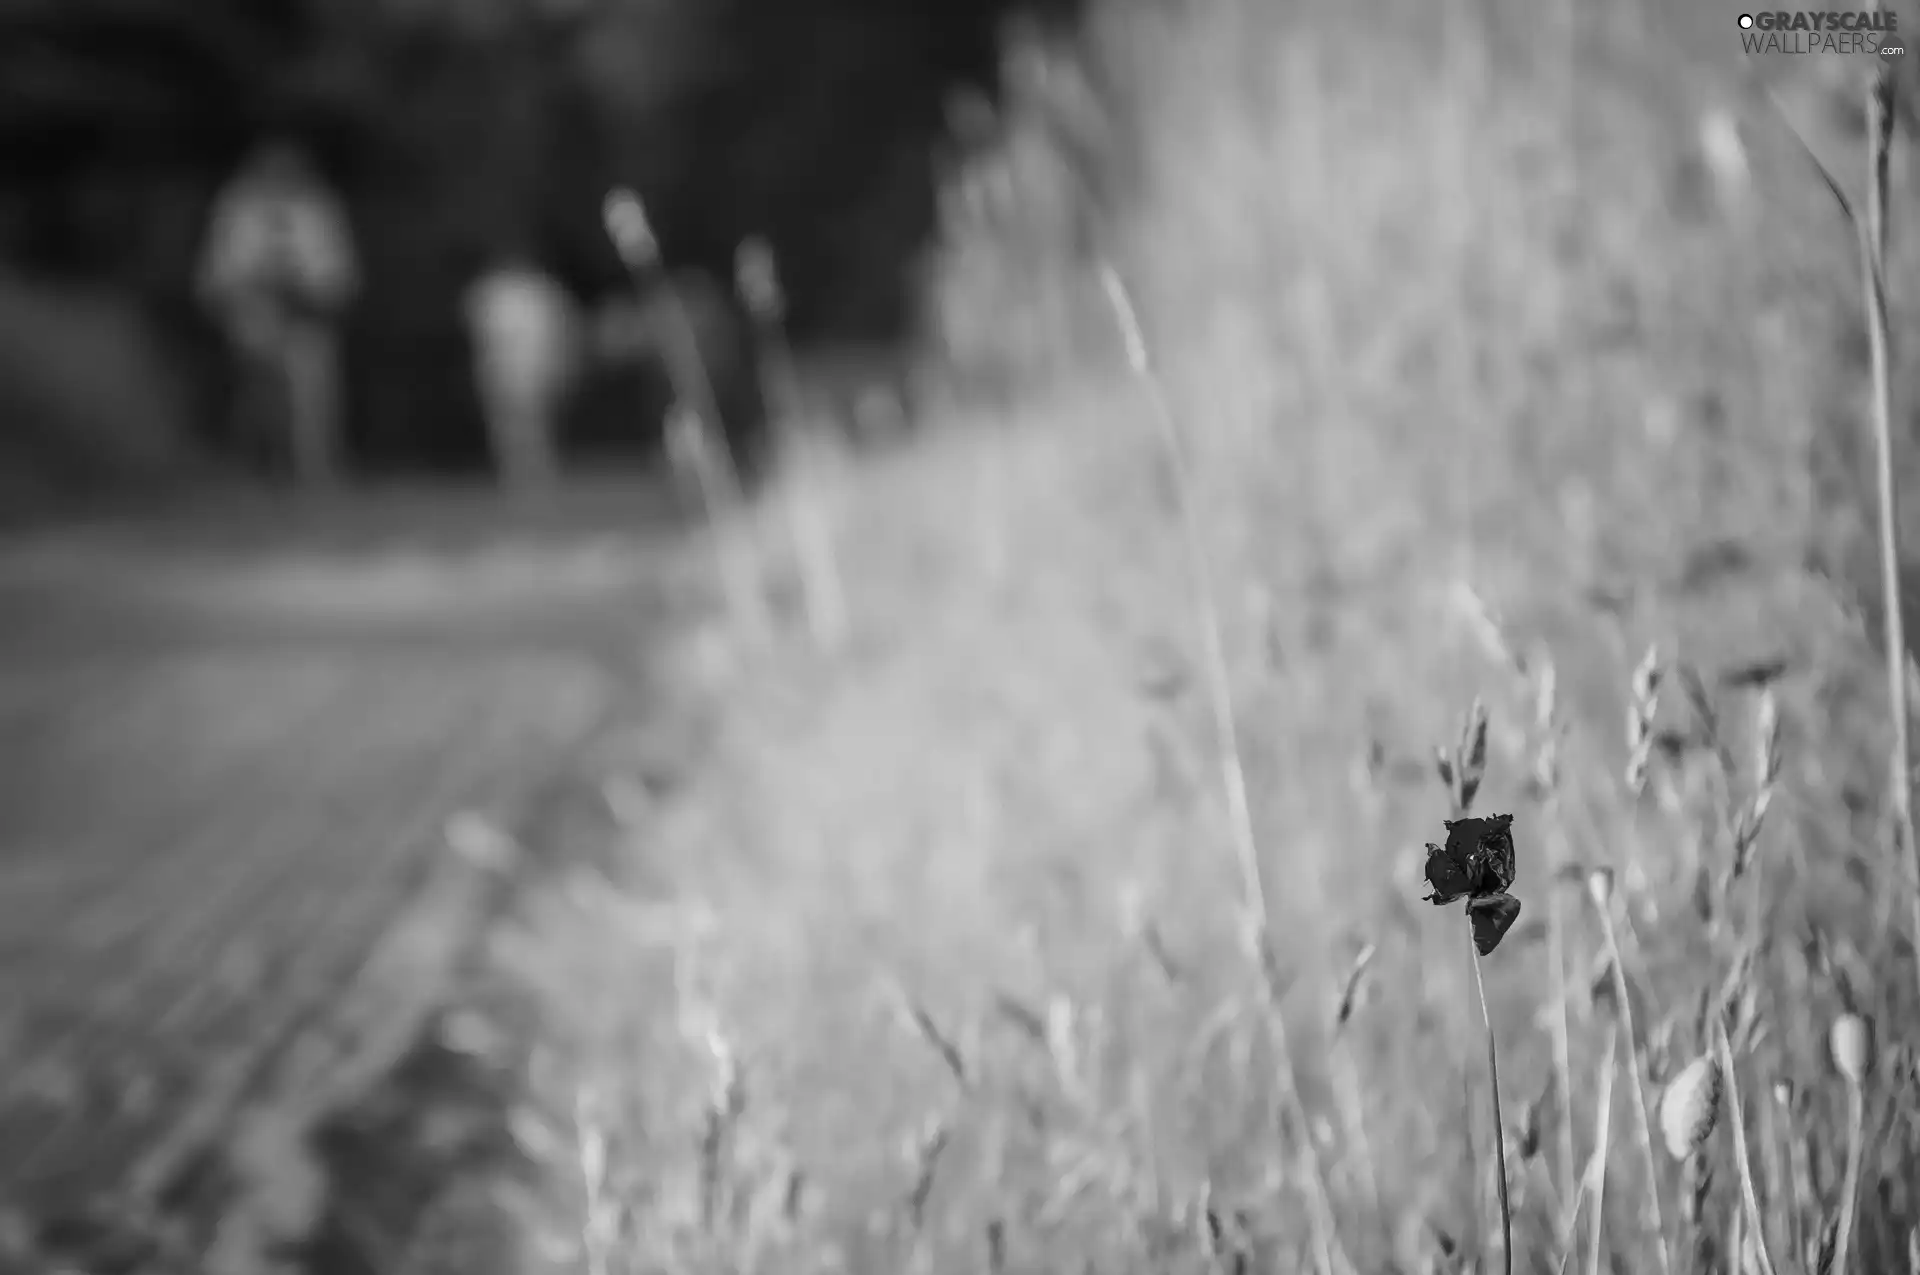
point(1851, 1042)
point(1690, 1107)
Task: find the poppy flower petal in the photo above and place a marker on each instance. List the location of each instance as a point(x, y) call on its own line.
point(1498, 844)
point(1449, 877)
point(1492, 916)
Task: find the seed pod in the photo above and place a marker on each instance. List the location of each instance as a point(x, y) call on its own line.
point(1851, 1042)
point(1600, 886)
point(1690, 1107)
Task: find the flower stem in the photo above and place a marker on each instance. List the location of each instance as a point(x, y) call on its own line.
point(1850, 1187)
point(1748, 1197)
point(1499, 1121)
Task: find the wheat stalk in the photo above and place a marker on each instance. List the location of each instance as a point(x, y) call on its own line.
point(1603, 903)
point(695, 425)
point(1594, 1181)
point(1871, 235)
point(599, 1218)
point(1873, 247)
point(822, 591)
point(1348, 1074)
point(1547, 775)
point(1736, 1119)
point(1256, 931)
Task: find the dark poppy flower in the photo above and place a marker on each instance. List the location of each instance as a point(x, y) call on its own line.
point(1477, 864)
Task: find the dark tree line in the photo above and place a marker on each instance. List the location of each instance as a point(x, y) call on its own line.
point(459, 129)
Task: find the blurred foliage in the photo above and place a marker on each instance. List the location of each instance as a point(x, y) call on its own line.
point(1492, 241)
point(460, 130)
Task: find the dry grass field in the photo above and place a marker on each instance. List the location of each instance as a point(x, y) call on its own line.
point(1489, 386)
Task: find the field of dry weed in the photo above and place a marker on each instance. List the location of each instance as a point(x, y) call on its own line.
point(1489, 386)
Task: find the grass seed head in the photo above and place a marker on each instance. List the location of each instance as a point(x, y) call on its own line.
point(1646, 681)
point(1351, 993)
point(1644, 706)
point(1546, 765)
point(1600, 887)
point(1851, 1042)
point(1488, 628)
point(1904, 1063)
point(1700, 701)
point(1820, 1246)
point(1767, 738)
point(1691, 1107)
point(1472, 755)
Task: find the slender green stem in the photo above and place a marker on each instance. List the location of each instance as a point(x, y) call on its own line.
point(1499, 1122)
point(1562, 1044)
point(1873, 247)
point(1850, 1188)
point(1737, 1120)
point(1597, 1167)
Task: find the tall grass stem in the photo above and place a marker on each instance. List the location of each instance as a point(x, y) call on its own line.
point(1602, 1152)
point(823, 592)
point(1643, 1131)
point(1873, 249)
point(720, 485)
point(1499, 1122)
point(1749, 1198)
point(1850, 1184)
point(1258, 936)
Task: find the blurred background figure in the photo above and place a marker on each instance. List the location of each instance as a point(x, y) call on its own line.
point(525, 338)
point(277, 275)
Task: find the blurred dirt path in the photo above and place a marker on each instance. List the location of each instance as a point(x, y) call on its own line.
point(230, 748)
